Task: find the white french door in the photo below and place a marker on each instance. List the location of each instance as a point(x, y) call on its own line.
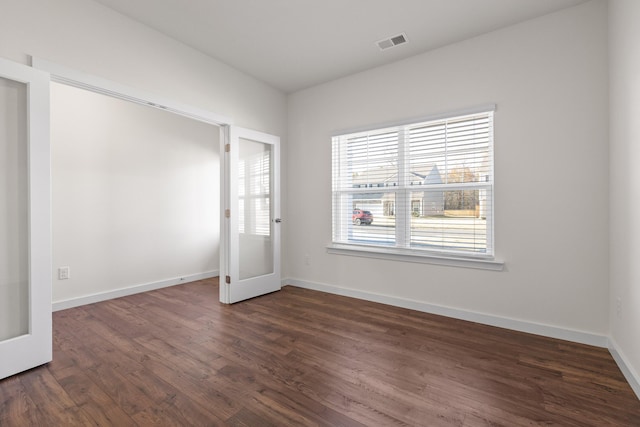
point(25, 229)
point(250, 243)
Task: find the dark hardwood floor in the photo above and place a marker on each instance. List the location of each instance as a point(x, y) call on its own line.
point(298, 357)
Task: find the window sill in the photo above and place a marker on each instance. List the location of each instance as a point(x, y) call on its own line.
point(394, 254)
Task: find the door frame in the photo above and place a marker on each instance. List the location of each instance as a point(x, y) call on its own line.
point(67, 76)
point(70, 77)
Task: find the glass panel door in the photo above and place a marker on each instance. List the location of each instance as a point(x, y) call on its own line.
point(25, 215)
point(250, 252)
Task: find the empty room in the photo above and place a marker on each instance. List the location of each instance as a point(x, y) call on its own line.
point(333, 213)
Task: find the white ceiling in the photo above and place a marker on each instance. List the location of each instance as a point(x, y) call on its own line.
point(295, 44)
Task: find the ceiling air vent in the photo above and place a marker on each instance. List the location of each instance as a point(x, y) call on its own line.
point(392, 41)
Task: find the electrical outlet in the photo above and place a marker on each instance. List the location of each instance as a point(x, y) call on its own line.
point(64, 273)
point(619, 307)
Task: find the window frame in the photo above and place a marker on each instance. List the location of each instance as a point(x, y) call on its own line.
point(401, 250)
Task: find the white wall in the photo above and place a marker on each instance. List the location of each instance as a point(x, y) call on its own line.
point(86, 36)
point(548, 78)
point(624, 34)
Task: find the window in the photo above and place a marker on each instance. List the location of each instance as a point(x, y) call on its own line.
point(424, 188)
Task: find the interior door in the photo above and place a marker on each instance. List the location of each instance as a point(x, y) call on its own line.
point(250, 243)
point(25, 212)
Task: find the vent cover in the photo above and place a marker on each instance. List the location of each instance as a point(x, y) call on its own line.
point(392, 41)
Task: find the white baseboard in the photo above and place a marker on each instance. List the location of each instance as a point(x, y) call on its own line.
point(130, 290)
point(629, 373)
point(486, 319)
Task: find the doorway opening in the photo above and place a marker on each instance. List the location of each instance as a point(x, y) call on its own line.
point(135, 195)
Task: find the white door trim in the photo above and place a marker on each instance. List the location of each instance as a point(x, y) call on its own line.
point(61, 74)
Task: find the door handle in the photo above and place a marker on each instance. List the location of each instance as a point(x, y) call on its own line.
point(277, 220)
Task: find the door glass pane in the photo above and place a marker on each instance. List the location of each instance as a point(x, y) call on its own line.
point(14, 273)
point(254, 192)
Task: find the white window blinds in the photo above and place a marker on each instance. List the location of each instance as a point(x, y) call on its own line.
point(424, 187)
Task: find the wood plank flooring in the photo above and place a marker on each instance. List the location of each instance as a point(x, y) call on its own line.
point(297, 357)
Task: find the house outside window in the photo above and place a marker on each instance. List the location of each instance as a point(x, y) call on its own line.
point(427, 184)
